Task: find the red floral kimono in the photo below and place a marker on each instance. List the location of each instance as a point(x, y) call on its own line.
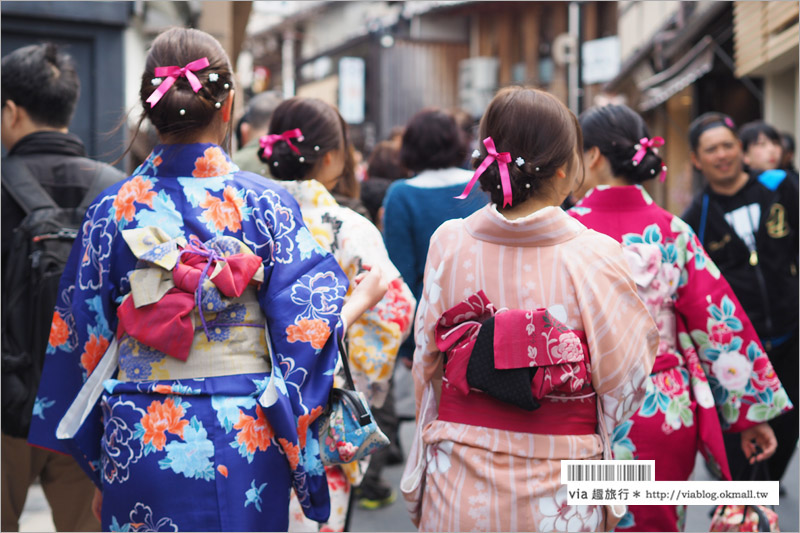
point(709, 354)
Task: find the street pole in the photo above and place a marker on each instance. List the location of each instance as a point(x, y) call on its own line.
point(573, 70)
point(287, 67)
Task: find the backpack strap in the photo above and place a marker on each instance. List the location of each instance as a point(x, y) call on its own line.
point(23, 187)
point(105, 176)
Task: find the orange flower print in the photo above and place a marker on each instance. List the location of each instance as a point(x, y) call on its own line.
point(161, 418)
point(314, 331)
point(93, 351)
point(163, 389)
point(292, 452)
point(59, 331)
point(225, 213)
point(304, 421)
point(222, 469)
point(135, 190)
point(213, 163)
point(255, 433)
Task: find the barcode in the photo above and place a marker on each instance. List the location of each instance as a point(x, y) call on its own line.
point(577, 471)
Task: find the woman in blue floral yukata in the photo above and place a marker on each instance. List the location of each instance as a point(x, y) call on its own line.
point(177, 272)
point(711, 373)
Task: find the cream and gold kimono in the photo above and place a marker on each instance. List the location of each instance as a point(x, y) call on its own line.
point(481, 479)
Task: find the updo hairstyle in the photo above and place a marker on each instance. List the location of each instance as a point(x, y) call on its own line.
point(432, 140)
point(323, 130)
point(535, 126)
point(616, 130)
point(177, 47)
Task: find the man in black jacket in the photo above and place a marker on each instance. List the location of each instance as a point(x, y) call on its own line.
point(748, 224)
point(40, 90)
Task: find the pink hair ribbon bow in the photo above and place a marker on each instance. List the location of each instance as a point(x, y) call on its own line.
point(268, 141)
point(172, 73)
point(503, 159)
point(644, 144)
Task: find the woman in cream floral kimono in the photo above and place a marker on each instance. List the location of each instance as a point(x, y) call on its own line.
point(305, 152)
point(479, 464)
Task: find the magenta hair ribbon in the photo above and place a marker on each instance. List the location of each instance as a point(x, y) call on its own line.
point(268, 141)
point(172, 73)
point(644, 144)
point(503, 159)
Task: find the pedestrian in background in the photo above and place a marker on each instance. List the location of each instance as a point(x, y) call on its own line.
point(761, 146)
point(747, 222)
point(432, 149)
point(254, 124)
point(306, 150)
point(178, 271)
point(521, 286)
point(700, 321)
point(40, 89)
point(383, 168)
point(787, 157)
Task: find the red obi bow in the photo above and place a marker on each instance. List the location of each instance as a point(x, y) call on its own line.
point(167, 325)
point(522, 339)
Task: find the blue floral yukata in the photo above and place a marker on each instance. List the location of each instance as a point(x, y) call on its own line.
point(184, 263)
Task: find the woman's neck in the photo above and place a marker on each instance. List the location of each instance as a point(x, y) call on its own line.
point(528, 207)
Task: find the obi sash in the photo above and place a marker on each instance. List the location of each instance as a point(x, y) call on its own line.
point(516, 370)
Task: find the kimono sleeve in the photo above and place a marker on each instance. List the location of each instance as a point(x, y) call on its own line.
point(746, 389)
point(302, 297)
point(374, 339)
point(622, 337)
point(82, 328)
point(428, 359)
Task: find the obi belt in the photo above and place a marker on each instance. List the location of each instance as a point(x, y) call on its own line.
point(515, 370)
point(191, 299)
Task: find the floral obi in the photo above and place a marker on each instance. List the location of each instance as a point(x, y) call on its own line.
point(512, 369)
point(192, 310)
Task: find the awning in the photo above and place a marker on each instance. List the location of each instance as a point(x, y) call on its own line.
point(694, 65)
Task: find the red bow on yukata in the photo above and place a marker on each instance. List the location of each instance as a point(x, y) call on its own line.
point(172, 73)
point(522, 339)
point(268, 141)
point(167, 325)
point(503, 159)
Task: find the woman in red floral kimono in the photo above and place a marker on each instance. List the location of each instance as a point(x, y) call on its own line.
point(709, 354)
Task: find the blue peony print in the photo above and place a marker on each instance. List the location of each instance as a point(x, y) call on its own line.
point(191, 458)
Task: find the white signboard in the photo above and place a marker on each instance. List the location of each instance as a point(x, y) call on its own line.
point(351, 89)
point(601, 59)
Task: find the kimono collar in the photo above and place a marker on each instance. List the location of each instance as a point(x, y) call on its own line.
point(200, 160)
point(545, 227)
point(629, 197)
point(310, 193)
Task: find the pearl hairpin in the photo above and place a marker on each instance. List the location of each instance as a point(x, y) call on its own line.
point(182, 112)
point(476, 153)
point(213, 76)
point(520, 161)
point(227, 85)
point(218, 105)
point(316, 148)
point(156, 81)
point(275, 164)
point(527, 185)
point(302, 159)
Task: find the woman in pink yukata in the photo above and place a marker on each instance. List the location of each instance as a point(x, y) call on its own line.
point(524, 295)
point(709, 355)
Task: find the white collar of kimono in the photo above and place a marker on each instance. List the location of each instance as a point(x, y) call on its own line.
point(441, 177)
point(545, 227)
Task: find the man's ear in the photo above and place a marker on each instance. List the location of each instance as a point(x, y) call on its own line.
point(245, 131)
point(13, 111)
point(695, 162)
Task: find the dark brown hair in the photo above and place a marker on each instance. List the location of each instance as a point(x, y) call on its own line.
point(432, 140)
point(616, 130)
point(177, 47)
point(323, 130)
point(384, 162)
point(535, 126)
